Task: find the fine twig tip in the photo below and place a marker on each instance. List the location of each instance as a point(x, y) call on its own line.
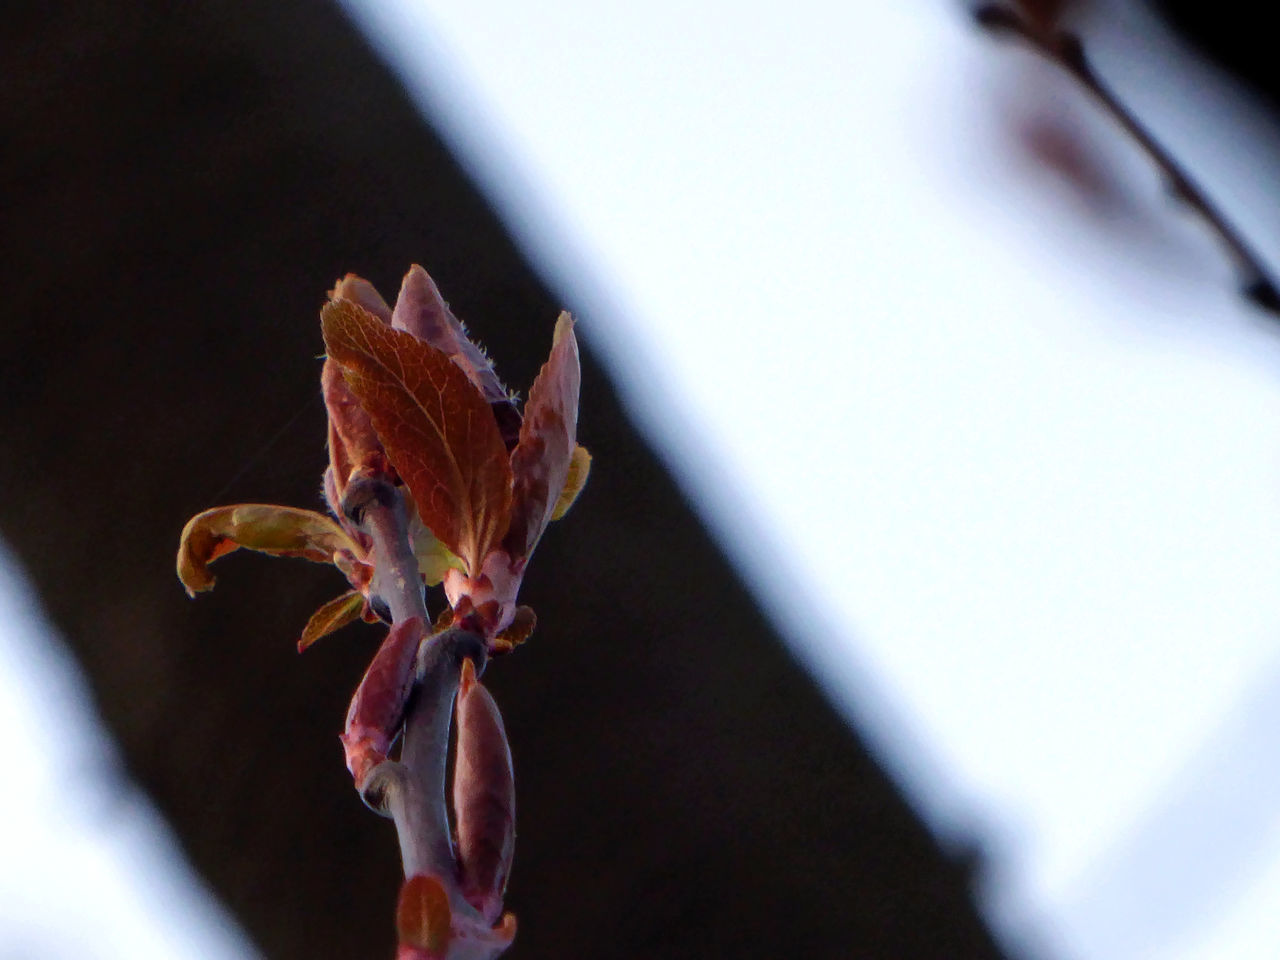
point(1067, 50)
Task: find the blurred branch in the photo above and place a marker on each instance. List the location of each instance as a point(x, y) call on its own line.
point(1066, 49)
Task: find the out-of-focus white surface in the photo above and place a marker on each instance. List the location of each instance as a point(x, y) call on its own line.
point(87, 867)
point(1015, 446)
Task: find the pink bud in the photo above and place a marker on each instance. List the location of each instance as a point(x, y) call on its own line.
point(423, 919)
point(377, 709)
point(484, 798)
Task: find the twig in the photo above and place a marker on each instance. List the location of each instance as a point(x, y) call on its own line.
point(1067, 51)
point(374, 505)
point(412, 790)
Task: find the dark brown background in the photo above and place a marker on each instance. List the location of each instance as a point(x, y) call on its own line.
point(181, 183)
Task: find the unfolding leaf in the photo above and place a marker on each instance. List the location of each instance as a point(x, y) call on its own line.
point(579, 468)
point(444, 620)
point(540, 462)
point(353, 442)
point(334, 615)
point(280, 531)
point(422, 311)
point(436, 427)
point(484, 797)
point(434, 558)
point(360, 291)
point(423, 917)
point(520, 630)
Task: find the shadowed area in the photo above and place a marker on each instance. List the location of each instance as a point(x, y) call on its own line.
point(182, 184)
point(1229, 33)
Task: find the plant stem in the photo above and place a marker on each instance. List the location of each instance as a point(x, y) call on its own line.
point(1067, 51)
point(378, 508)
point(412, 790)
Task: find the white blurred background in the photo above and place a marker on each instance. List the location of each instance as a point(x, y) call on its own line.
point(973, 405)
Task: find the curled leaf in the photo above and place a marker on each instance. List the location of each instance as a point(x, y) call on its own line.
point(520, 630)
point(579, 468)
point(437, 428)
point(443, 621)
point(279, 531)
point(333, 616)
point(484, 798)
point(540, 462)
point(423, 917)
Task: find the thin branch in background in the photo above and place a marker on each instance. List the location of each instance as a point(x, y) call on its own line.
point(1066, 49)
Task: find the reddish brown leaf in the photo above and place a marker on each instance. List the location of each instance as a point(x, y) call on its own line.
point(484, 797)
point(280, 531)
point(540, 462)
point(421, 310)
point(436, 427)
point(423, 917)
point(334, 615)
point(353, 442)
